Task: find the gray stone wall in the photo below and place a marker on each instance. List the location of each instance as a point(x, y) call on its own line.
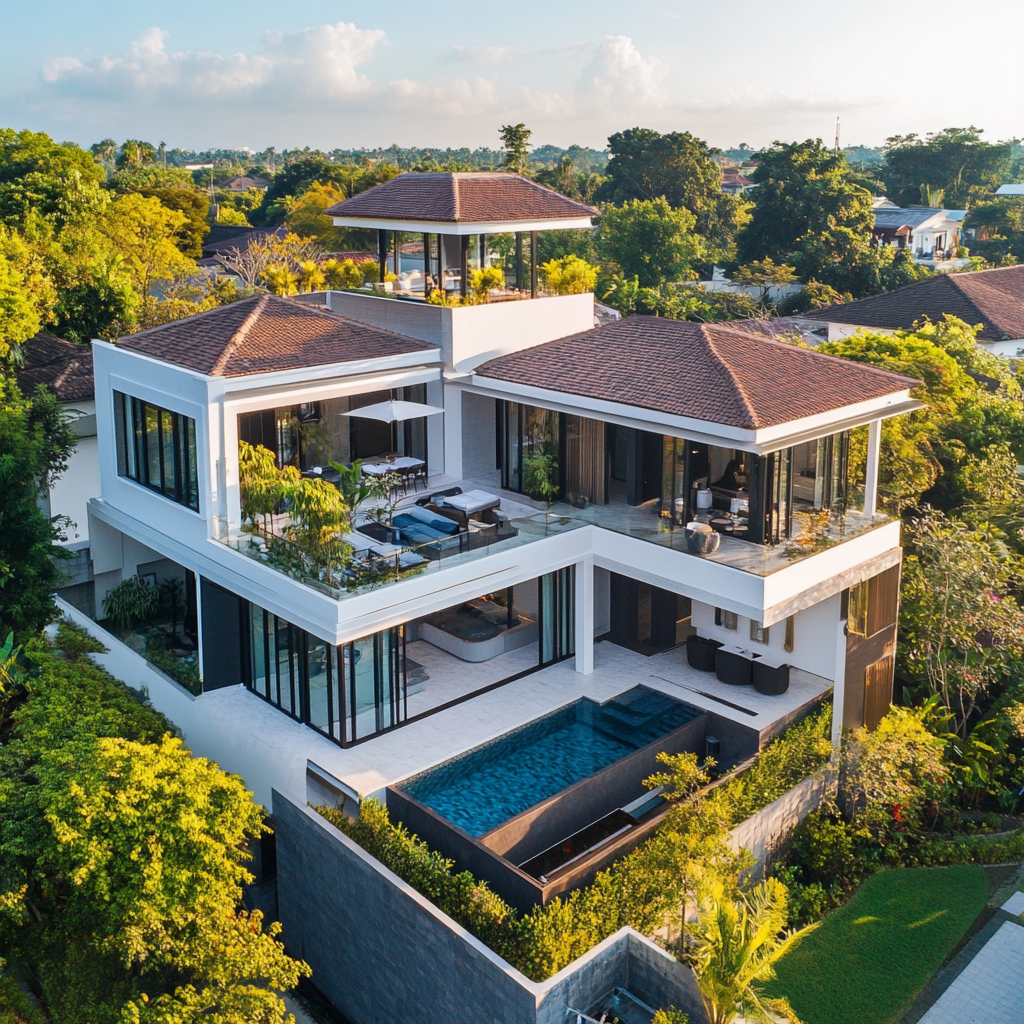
point(381, 952)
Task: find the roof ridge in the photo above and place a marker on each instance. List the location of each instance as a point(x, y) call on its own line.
point(194, 316)
point(705, 331)
point(236, 339)
point(457, 201)
point(969, 299)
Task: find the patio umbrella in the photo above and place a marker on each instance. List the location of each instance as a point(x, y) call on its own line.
point(394, 412)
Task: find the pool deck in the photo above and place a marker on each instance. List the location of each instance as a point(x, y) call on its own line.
point(397, 755)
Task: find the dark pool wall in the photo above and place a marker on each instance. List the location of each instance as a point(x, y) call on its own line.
point(494, 855)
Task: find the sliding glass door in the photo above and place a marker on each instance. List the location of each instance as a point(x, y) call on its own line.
point(557, 615)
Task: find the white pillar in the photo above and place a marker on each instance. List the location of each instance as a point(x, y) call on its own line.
point(453, 432)
point(839, 683)
point(585, 617)
point(871, 476)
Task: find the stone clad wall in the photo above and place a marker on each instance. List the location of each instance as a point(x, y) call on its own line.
point(381, 952)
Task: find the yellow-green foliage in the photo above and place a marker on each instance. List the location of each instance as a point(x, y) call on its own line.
point(122, 862)
point(343, 274)
point(569, 275)
point(638, 890)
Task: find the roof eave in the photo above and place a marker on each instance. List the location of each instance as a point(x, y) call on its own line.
point(449, 227)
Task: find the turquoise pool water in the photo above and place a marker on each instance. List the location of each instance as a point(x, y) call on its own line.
point(483, 788)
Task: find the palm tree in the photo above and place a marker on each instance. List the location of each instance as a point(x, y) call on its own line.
point(740, 941)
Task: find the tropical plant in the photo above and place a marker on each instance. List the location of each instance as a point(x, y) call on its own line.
point(647, 239)
point(355, 486)
point(342, 274)
point(311, 276)
point(172, 597)
point(318, 511)
point(569, 275)
point(73, 641)
point(739, 942)
point(540, 473)
point(765, 274)
point(482, 280)
point(261, 487)
point(133, 601)
point(280, 279)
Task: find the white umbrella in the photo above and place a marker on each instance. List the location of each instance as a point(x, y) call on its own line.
point(394, 412)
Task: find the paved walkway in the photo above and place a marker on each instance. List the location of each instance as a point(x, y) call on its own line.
point(990, 989)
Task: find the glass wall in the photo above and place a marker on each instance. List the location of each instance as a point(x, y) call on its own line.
point(558, 615)
point(531, 447)
point(157, 448)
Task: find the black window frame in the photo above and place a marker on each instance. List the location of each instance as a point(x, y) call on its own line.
point(175, 458)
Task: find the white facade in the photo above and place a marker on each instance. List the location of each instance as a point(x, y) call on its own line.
point(131, 525)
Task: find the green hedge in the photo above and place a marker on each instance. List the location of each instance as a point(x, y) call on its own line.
point(993, 849)
point(631, 892)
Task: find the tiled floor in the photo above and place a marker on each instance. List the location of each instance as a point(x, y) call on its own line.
point(1015, 904)
point(990, 989)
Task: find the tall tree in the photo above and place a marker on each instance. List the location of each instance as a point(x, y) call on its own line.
point(195, 206)
point(649, 240)
point(646, 164)
point(956, 161)
point(35, 444)
point(515, 141)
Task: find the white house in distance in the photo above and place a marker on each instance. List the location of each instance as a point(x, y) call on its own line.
point(645, 535)
point(931, 234)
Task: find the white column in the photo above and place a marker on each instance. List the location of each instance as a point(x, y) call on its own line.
point(435, 428)
point(453, 432)
point(839, 683)
point(585, 617)
point(871, 476)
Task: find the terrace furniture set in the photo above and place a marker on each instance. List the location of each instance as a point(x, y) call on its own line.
point(736, 666)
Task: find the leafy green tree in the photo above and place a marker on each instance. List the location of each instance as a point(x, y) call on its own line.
point(196, 208)
point(515, 141)
point(739, 942)
point(35, 444)
point(306, 218)
point(682, 168)
point(813, 295)
point(568, 276)
point(122, 862)
point(766, 275)
point(960, 624)
point(647, 239)
point(144, 233)
point(25, 290)
point(136, 154)
point(955, 161)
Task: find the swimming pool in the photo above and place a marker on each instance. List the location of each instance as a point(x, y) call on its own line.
point(483, 788)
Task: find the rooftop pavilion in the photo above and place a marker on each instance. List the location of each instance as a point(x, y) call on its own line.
point(454, 215)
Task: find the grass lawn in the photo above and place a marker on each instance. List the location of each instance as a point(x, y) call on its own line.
point(868, 960)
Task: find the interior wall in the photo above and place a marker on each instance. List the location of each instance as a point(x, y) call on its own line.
point(814, 633)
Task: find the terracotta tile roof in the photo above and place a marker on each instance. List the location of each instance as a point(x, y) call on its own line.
point(992, 298)
point(710, 372)
point(223, 237)
point(62, 366)
point(474, 198)
point(264, 334)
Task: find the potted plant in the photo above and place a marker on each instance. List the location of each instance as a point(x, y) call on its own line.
point(540, 474)
point(131, 602)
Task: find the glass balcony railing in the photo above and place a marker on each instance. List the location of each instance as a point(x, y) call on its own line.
point(360, 563)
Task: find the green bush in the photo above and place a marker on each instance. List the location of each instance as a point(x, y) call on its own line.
point(824, 848)
point(73, 641)
point(634, 891)
point(998, 849)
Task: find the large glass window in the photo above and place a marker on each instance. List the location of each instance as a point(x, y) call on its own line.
point(531, 441)
point(157, 448)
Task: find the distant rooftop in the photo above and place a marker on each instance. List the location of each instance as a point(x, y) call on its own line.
point(65, 368)
point(710, 372)
point(461, 204)
point(223, 237)
point(265, 334)
point(912, 216)
point(992, 298)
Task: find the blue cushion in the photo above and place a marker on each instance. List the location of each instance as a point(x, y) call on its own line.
point(449, 527)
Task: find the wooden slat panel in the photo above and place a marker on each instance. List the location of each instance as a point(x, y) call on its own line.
point(883, 600)
point(877, 691)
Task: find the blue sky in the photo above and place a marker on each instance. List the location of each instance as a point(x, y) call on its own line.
point(342, 74)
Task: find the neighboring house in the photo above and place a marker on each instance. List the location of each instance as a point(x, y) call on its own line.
point(540, 594)
point(992, 298)
point(1010, 190)
point(243, 183)
point(66, 369)
point(225, 237)
point(734, 183)
point(931, 234)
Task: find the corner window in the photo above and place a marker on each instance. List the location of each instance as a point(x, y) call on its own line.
point(157, 448)
point(857, 615)
point(726, 619)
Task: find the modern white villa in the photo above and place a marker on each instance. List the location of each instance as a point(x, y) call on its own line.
point(604, 540)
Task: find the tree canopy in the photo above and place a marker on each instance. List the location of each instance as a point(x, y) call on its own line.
point(955, 161)
point(681, 168)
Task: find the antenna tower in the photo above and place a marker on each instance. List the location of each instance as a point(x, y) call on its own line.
point(837, 136)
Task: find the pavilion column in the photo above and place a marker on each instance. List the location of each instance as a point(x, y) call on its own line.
point(464, 264)
point(871, 473)
point(382, 253)
point(398, 242)
point(533, 264)
point(426, 265)
point(519, 261)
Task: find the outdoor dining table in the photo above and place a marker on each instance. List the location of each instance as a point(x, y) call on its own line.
point(383, 468)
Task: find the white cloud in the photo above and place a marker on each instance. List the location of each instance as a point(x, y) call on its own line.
point(618, 75)
point(479, 54)
point(317, 62)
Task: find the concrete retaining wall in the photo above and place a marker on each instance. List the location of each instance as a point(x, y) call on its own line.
point(762, 833)
point(381, 952)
